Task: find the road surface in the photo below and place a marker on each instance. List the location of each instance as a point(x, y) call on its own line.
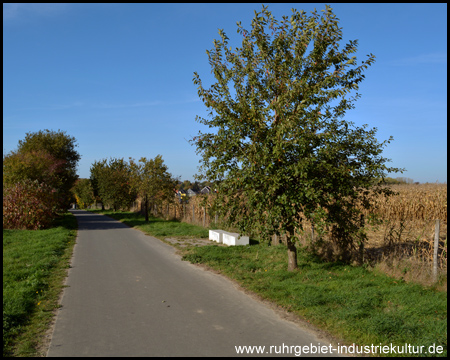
point(129, 294)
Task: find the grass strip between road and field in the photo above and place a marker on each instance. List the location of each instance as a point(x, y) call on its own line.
point(35, 264)
point(351, 303)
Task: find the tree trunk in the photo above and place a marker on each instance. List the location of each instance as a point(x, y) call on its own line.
point(292, 251)
point(146, 208)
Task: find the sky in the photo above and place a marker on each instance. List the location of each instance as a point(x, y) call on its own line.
point(119, 77)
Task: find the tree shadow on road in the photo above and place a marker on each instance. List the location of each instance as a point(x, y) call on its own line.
point(91, 221)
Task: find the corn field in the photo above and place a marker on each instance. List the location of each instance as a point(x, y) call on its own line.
point(407, 224)
point(414, 202)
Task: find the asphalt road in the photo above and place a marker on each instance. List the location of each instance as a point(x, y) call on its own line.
point(129, 294)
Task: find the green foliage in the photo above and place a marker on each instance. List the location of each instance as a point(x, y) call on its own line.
point(95, 169)
point(398, 181)
point(152, 181)
point(404, 180)
point(112, 180)
point(84, 193)
point(34, 165)
point(57, 143)
point(280, 145)
point(29, 205)
point(46, 156)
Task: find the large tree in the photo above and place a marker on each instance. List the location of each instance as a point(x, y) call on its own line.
point(95, 171)
point(279, 144)
point(37, 165)
point(113, 182)
point(152, 181)
point(46, 156)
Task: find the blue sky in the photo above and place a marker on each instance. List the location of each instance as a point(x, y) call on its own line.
point(118, 77)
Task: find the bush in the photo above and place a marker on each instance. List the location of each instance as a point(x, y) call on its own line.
point(29, 205)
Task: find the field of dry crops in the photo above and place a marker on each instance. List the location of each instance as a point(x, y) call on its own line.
point(410, 215)
point(403, 241)
point(414, 202)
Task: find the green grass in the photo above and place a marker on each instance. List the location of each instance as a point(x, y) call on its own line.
point(351, 303)
point(34, 268)
point(157, 227)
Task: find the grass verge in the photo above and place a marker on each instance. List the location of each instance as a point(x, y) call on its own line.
point(157, 227)
point(34, 269)
point(350, 302)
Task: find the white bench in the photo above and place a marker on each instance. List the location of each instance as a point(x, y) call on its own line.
point(233, 239)
point(216, 235)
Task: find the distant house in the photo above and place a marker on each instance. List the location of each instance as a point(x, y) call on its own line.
point(191, 192)
point(206, 190)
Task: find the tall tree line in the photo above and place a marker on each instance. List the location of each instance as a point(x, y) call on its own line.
point(117, 183)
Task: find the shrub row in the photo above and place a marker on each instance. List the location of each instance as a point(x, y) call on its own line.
point(29, 205)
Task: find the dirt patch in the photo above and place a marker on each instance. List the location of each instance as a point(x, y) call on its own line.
point(185, 242)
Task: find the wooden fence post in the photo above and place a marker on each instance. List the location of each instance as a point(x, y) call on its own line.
point(193, 214)
point(361, 244)
point(275, 240)
point(435, 252)
point(284, 239)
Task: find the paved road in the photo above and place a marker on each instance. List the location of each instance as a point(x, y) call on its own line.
point(128, 294)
